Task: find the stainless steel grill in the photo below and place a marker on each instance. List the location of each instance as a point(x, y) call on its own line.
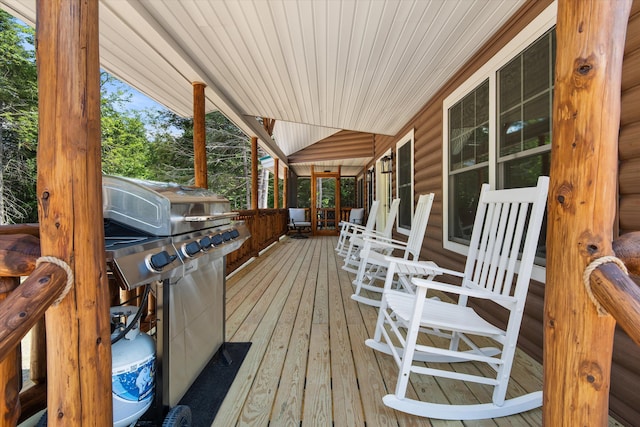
point(174, 238)
point(156, 230)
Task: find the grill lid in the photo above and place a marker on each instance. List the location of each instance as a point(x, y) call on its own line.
point(160, 208)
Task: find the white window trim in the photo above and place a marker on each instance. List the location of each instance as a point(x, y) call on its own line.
point(383, 191)
point(540, 25)
point(409, 138)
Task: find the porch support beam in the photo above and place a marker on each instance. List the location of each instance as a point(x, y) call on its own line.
point(285, 187)
point(276, 189)
point(254, 173)
point(199, 137)
point(578, 342)
point(69, 191)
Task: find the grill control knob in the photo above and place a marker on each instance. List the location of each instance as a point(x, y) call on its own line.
point(226, 236)
point(191, 248)
point(160, 260)
point(205, 242)
point(235, 233)
point(217, 239)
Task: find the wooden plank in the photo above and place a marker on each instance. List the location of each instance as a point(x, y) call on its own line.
point(257, 407)
point(257, 329)
point(347, 406)
point(317, 394)
point(261, 293)
point(371, 384)
point(287, 407)
point(321, 305)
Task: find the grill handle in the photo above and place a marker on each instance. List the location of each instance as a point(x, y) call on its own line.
point(203, 218)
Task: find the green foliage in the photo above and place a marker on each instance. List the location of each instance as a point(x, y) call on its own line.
point(228, 154)
point(152, 144)
point(125, 149)
point(18, 122)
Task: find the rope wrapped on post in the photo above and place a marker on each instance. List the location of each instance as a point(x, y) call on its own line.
point(586, 278)
point(60, 263)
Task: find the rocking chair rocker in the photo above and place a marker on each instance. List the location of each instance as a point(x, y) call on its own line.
point(504, 219)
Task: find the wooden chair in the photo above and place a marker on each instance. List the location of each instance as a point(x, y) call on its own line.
point(349, 229)
point(298, 222)
point(498, 269)
point(373, 263)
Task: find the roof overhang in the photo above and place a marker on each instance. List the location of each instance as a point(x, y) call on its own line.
point(315, 66)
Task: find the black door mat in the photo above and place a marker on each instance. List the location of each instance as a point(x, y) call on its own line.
point(207, 392)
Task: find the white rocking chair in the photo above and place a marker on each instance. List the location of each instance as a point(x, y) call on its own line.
point(373, 263)
point(356, 242)
point(350, 228)
point(504, 219)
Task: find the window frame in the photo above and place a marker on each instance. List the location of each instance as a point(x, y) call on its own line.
point(409, 138)
point(534, 30)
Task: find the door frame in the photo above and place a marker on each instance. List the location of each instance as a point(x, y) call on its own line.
point(314, 209)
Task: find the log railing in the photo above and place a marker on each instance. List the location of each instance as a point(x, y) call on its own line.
point(266, 227)
point(22, 309)
point(22, 305)
point(614, 290)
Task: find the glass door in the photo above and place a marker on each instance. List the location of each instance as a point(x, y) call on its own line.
point(326, 203)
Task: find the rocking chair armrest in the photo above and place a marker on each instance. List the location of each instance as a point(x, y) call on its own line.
point(431, 266)
point(373, 234)
point(387, 242)
point(352, 228)
point(462, 290)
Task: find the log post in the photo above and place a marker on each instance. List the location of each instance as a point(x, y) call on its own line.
point(582, 200)
point(285, 188)
point(199, 137)
point(10, 369)
point(69, 192)
point(254, 173)
point(38, 364)
point(276, 187)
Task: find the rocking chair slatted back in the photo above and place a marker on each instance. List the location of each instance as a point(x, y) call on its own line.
point(419, 222)
point(498, 251)
point(373, 214)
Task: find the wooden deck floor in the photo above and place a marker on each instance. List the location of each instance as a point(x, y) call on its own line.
point(308, 364)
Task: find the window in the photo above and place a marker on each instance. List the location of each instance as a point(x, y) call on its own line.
point(404, 182)
point(370, 195)
point(303, 199)
point(498, 129)
point(348, 192)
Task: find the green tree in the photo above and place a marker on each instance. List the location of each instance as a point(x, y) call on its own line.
point(228, 155)
point(125, 147)
point(18, 122)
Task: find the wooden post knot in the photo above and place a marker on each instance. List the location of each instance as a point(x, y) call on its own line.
point(60, 263)
point(586, 278)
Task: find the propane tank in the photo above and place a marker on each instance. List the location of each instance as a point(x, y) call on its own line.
point(133, 369)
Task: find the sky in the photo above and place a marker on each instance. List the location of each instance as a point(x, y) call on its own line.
point(139, 101)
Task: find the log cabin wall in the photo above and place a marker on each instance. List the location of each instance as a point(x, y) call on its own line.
point(341, 145)
point(428, 128)
point(625, 372)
